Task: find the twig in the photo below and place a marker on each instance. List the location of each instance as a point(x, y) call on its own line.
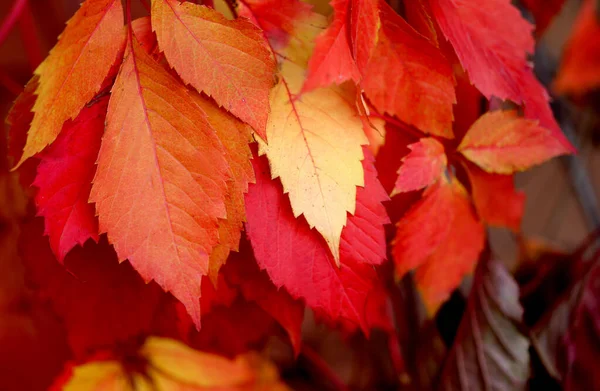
point(11, 19)
point(323, 368)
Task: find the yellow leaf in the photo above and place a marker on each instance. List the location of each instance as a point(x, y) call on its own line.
point(315, 149)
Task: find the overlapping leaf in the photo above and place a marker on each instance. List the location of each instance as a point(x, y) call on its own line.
point(441, 238)
point(64, 179)
point(409, 77)
point(75, 69)
point(296, 256)
point(161, 179)
point(230, 59)
point(422, 166)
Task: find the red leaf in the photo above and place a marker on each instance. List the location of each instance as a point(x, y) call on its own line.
point(422, 166)
point(364, 29)
point(100, 301)
point(494, 53)
point(332, 60)
point(409, 77)
point(64, 178)
point(502, 142)
point(441, 238)
point(298, 258)
point(579, 71)
point(275, 17)
point(495, 198)
point(418, 14)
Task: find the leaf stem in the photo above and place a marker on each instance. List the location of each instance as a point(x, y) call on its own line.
point(145, 4)
point(402, 125)
point(323, 368)
point(11, 19)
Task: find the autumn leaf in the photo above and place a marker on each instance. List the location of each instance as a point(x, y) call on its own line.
point(424, 164)
point(418, 14)
point(315, 149)
point(332, 60)
point(170, 365)
point(490, 351)
point(64, 179)
point(235, 136)
point(501, 142)
point(409, 77)
point(161, 179)
point(296, 257)
point(497, 201)
point(441, 238)
point(231, 60)
point(277, 18)
point(74, 70)
point(494, 53)
point(579, 70)
point(365, 24)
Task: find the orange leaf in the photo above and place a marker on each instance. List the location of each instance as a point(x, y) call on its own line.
point(161, 179)
point(409, 77)
point(502, 142)
point(495, 198)
point(422, 166)
point(75, 69)
point(332, 60)
point(580, 68)
point(227, 59)
point(364, 30)
point(441, 238)
point(234, 136)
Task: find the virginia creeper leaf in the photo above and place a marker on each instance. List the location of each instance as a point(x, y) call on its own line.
point(579, 70)
point(490, 352)
point(171, 365)
point(227, 59)
point(332, 60)
point(234, 136)
point(296, 257)
point(92, 293)
point(277, 18)
point(501, 142)
point(315, 149)
point(364, 29)
point(418, 14)
point(494, 53)
point(495, 198)
point(161, 179)
point(409, 77)
point(64, 179)
point(441, 238)
point(74, 70)
point(423, 166)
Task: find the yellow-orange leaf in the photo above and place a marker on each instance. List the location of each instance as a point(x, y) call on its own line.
point(234, 136)
point(161, 180)
point(171, 365)
point(227, 59)
point(75, 69)
point(315, 148)
point(501, 142)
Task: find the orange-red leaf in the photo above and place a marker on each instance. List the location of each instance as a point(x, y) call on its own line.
point(579, 71)
point(441, 238)
point(495, 198)
point(364, 29)
point(64, 179)
point(494, 53)
point(234, 136)
point(418, 14)
point(409, 77)
point(332, 60)
point(502, 142)
point(75, 69)
point(297, 257)
point(227, 59)
point(423, 166)
point(161, 179)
